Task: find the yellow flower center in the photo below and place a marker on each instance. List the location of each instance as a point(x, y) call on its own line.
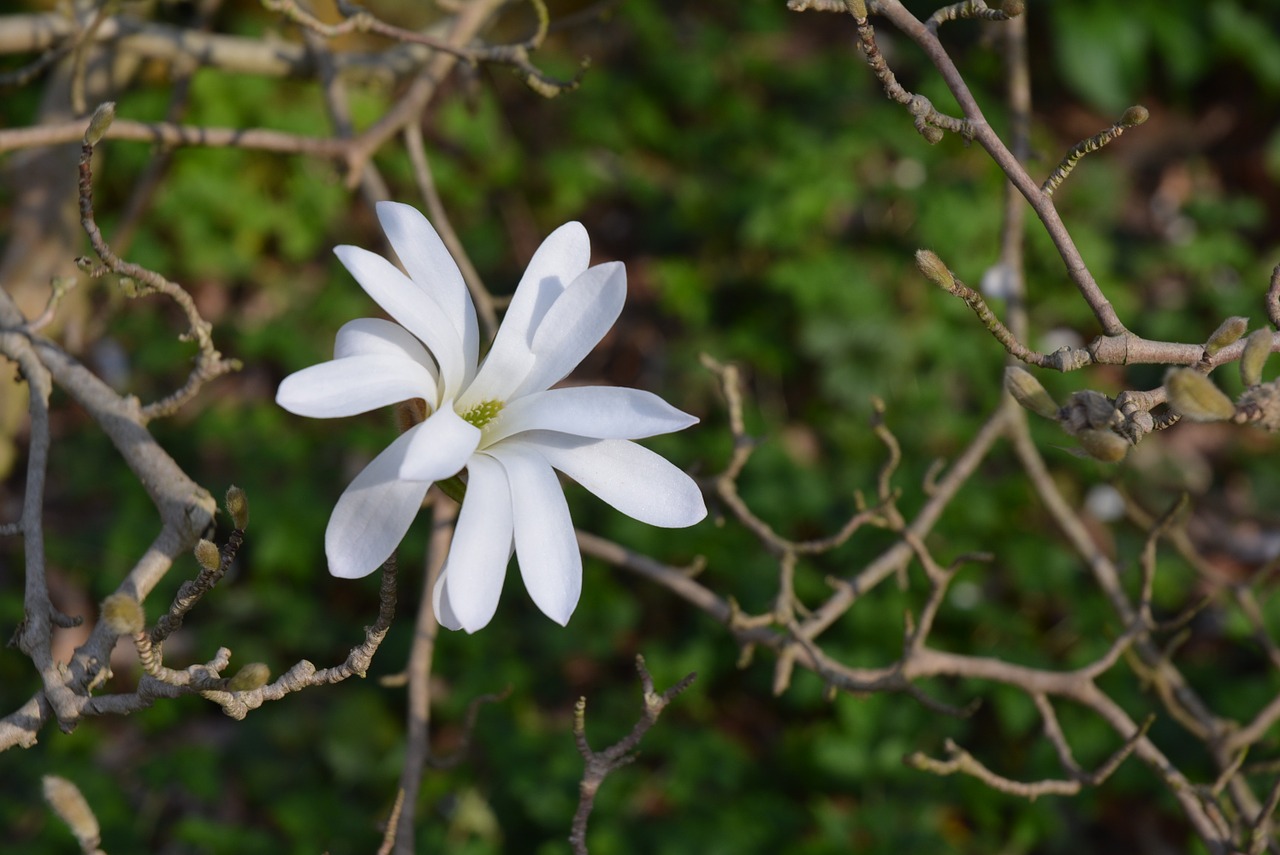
point(483, 413)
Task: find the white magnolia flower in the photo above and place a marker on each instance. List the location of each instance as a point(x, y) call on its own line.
point(497, 419)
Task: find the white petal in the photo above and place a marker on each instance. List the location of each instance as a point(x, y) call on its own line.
point(430, 266)
point(600, 412)
point(440, 446)
point(355, 384)
point(546, 547)
point(563, 256)
point(481, 546)
point(411, 307)
point(497, 379)
point(575, 324)
point(373, 514)
point(629, 477)
point(366, 336)
point(442, 607)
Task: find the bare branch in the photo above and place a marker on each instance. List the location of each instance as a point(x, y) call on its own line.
point(1132, 117)
point(418, 669)
point(991, 142)
point(599, 764)
point(963, 762)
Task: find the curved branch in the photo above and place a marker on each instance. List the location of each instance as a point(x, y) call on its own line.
point(1040, 202)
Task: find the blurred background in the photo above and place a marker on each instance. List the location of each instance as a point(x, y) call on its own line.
point(767, 199)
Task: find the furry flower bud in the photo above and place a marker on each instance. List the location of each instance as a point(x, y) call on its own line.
point(208, 554)
point(1105, 445)
point(1194, 396)
point(100, 122)
point(70, 806)
point(1229, 331)
point(1028, 392)
point(1135, 115)
point(934, 270)
point(122, 614)
point(250, 677)
point(238, 507)
point(1254, 358)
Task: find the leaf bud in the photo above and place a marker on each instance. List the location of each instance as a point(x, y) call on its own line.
point(1028, 392)
point(1013, 8)
point(1229, 331)
point(1194, 396)
point(250, 677)
point(238, 507)
point(858, 8)
point(1260, 406)
point(208, 554)
point(70, 806)
point(934, 270)
point(1102, 444)
point(99, 122)
point(123, 614)
point(1135, 115)
point(932, 135)
point(919, 106)
point(1089, 409)
point(1254, 358)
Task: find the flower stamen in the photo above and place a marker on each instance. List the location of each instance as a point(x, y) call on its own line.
point(483, 413)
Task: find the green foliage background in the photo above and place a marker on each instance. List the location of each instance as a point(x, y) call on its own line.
point(767, 200)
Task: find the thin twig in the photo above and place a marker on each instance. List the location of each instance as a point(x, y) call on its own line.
point(974, 9)
point(984, 135)
point(599, 764)
point(418, 668)
point(1132, 117)
point(209, 362)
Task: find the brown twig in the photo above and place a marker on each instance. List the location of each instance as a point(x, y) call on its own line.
point(961, 761)
point(418, 669)
point(599, 764)
point(974, 9)
point(1273, 298)
point(985, 136)
point(209, 362)
point(1132, 117)
point(928, 121)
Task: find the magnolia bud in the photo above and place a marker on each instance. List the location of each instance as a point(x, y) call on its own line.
point(1012, 8)
point(1088, 409)
point(1194, 396)
point(1104, 445)
point(1135, 115)
point(1254, 358)
point(122, 614)
point(99, 122)
point(1028, 392)
point(1260, 405)
point(208, 554)
point(1230, 330)
point(70, 806)
point(250, 677)
point(238, 507)
point(934, 270)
